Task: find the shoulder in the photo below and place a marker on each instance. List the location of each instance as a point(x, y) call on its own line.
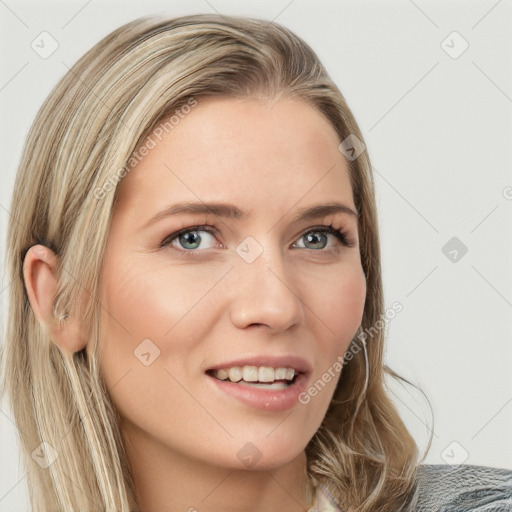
point(447, 488)
point(463, 488)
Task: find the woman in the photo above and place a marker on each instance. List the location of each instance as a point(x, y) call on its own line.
point(195, 261)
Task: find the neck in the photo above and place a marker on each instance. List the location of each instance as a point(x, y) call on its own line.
point(168, 481)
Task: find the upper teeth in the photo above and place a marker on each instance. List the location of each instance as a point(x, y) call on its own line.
point(254, 374)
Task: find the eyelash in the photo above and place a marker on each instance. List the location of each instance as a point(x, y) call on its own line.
point(340, 234)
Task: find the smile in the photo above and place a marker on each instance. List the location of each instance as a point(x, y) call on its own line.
point(268, 388)
point(259, 376)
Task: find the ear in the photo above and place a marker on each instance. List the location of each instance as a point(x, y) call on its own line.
point(41, 282)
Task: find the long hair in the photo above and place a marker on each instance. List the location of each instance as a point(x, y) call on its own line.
point(76, 152)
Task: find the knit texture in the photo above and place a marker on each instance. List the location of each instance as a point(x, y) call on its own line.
point(447, 488)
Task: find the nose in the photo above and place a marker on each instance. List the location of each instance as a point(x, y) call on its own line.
point(264, 294)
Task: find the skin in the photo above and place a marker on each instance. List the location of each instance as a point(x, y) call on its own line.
point(182, 434)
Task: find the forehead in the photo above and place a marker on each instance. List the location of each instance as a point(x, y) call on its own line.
point(260, 154)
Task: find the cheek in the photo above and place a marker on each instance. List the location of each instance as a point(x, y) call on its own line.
point(338, 309)
point(145, 308)
point(339, 304)
point(154, 300)
point(349, 295)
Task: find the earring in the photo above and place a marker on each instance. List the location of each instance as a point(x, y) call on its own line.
point(367, 367)
point(362, 339)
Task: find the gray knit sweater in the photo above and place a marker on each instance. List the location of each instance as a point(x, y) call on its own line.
point(448, 488)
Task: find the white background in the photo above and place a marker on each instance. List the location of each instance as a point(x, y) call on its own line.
point(438, 130)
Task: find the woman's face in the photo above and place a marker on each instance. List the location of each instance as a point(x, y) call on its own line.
point(253, 284)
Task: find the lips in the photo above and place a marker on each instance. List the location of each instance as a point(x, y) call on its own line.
point(270, 383)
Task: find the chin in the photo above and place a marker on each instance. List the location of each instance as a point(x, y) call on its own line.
point(266, 455)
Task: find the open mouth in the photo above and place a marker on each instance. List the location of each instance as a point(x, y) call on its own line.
point(263, 377)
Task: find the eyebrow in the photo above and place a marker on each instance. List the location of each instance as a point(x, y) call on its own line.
point(233, 212)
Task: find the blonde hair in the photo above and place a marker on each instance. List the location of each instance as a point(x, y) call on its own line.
point(86, 130)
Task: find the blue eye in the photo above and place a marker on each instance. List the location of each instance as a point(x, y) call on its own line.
point(315, 238)
point(320, 236)
point(190, 239)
